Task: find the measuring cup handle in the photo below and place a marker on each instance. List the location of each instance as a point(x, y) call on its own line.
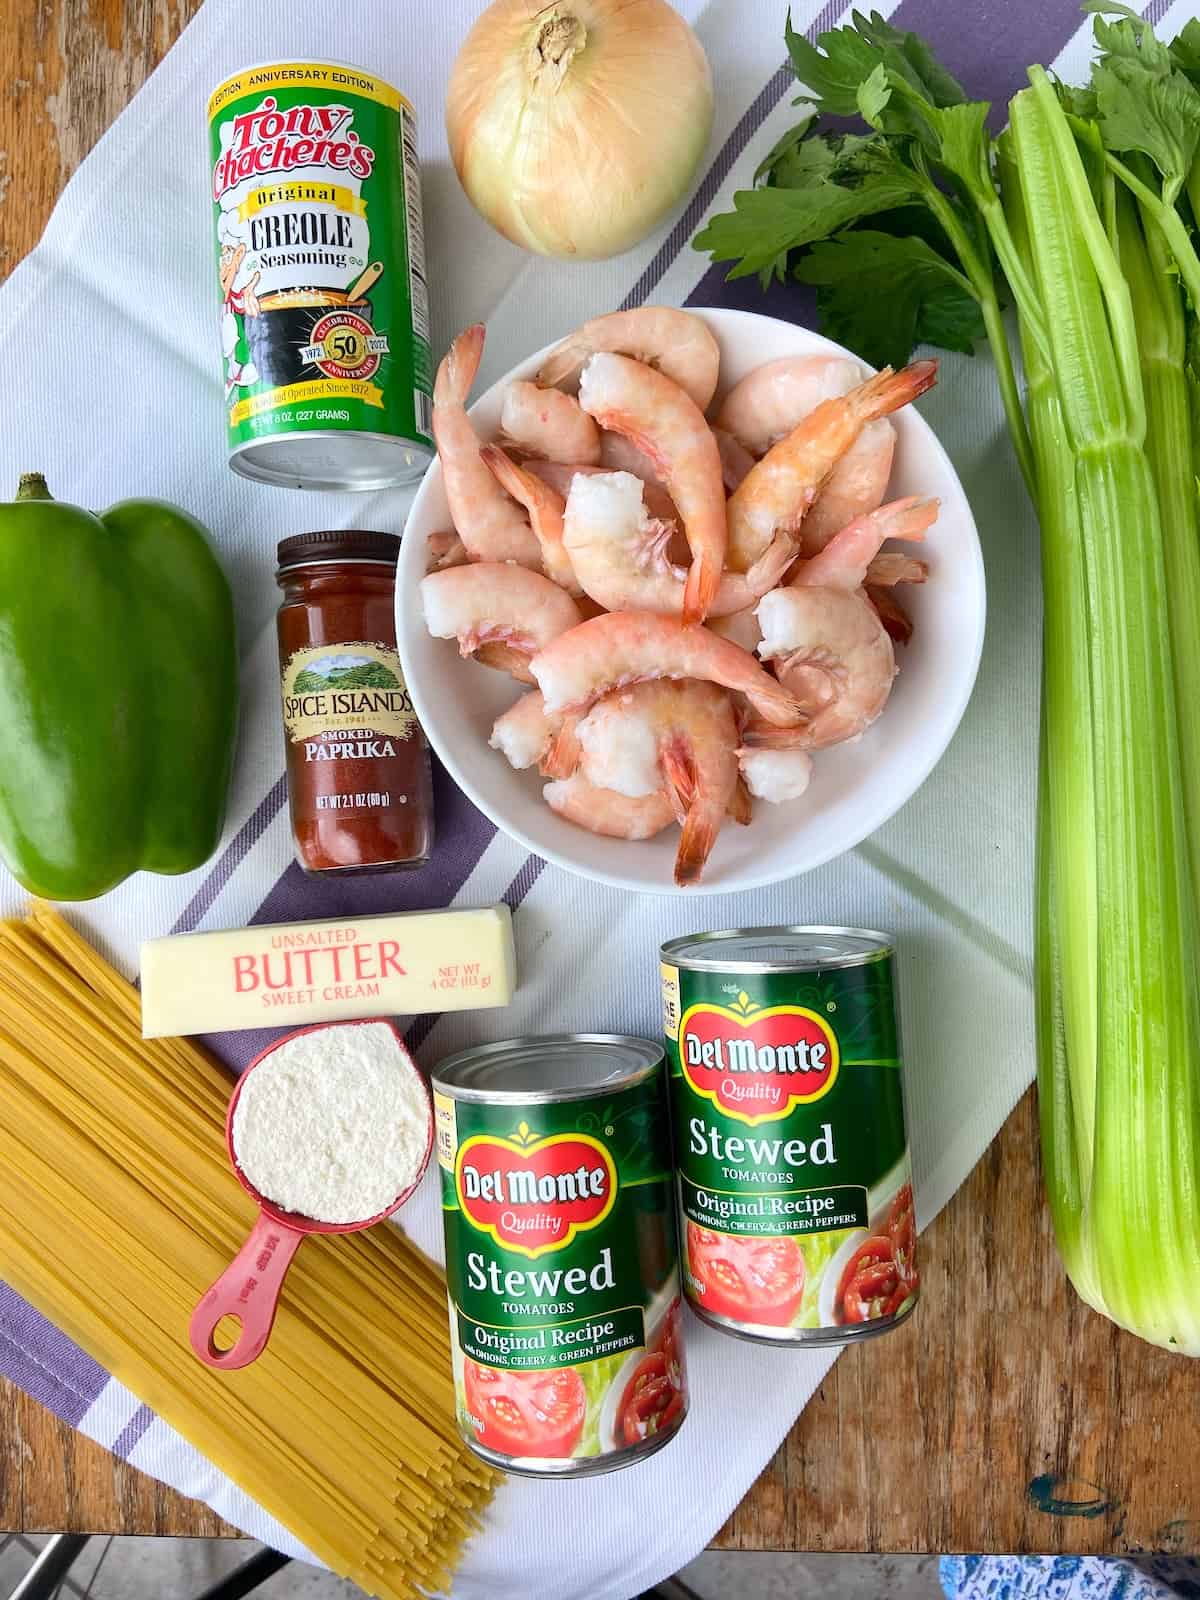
point(248, 1289)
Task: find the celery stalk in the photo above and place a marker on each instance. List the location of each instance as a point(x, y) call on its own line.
point(1162, 340)
point(1066, 877)
point(1133, 1245)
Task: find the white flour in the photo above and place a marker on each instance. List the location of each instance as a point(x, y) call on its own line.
point(334, 1123)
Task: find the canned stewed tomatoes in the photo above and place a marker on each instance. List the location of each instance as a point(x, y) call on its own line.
point(561, 1262)
point(794, 1183)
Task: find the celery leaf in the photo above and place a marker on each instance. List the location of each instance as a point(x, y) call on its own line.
point(1156, 112)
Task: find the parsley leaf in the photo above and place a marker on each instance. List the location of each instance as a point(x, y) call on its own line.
point(832, 69)
point(881, 295)
point(766, 223)
point(791, 146)
point(841, 61)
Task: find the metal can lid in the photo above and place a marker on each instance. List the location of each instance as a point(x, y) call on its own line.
point(554, 1066)
point(338, 544)
point(792, 949)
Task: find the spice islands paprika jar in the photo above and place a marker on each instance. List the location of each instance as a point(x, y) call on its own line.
point(316, 193)
point(561, 1266)
point(357, 764)
point(794, 1182)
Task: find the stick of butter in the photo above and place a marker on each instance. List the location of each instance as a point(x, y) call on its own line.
point(295, 972)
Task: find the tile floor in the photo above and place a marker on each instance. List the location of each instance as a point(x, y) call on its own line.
point(180, 1569)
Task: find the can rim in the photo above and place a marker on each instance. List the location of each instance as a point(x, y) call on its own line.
point(442, 1076)
point(673, 951)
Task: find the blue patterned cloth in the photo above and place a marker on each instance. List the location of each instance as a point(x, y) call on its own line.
point(1070, 1578)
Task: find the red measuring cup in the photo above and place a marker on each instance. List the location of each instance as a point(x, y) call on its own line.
point(251, 1284)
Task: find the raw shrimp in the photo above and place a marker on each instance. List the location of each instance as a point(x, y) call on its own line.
point(487, 521)
point(778, 492)
point(677, 737)
point(528, 735)
point(499, 612)
point(677, 343)
point(626, 647)
point(619, 454)
point(833, 654)
point(658, 502)
point(620, 553)
point(767, 403)
point(736, 460)
point(659, 417)
point(829, 644)
point(857, 484)
point(846, 559)
point(776, 775)
point(602, 811)
point(548, 423)
point(545, 508)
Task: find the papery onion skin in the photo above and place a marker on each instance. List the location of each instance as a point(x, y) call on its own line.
point(576, 127)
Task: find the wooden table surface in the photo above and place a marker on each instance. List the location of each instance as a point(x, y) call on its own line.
point(1004, 1417)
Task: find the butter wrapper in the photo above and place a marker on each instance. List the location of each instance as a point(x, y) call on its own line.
point(290, 973)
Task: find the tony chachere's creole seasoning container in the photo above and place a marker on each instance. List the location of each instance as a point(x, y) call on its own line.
point(357, 764)
point(320, 260)
point(795, 1191)
point(561, 1263)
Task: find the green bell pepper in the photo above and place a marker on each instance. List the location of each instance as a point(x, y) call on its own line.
point(118, 692)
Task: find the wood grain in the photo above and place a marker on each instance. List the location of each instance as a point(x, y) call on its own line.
point(930, 1438)
point(926, 1440)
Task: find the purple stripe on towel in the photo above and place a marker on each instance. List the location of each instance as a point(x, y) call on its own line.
point(132, 1432)
point(44, 1362)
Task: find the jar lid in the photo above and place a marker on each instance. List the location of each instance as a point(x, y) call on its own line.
point(338, 544)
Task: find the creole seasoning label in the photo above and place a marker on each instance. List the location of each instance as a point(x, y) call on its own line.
point(320, 254)
point(561, 1272)
point(346, 702)
point(793, 1169)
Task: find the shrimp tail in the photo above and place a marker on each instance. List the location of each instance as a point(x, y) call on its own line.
point(892, 567)
point(888, 390)
point(760, 735)
point(457, 371)
point(700, 590)
point(446, 550)
point(910, 517)
point(741, 804)
point(700, 829)
point(504, 658)
point(890, 612)
point(562, 754)
point(680, 772)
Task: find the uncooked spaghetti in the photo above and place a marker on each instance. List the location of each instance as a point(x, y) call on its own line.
point(119, 1208)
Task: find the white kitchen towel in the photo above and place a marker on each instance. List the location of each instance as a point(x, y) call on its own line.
point(110, 345)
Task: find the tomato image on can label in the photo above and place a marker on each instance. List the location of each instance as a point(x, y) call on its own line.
point(793, 1175)
point(561, 1262)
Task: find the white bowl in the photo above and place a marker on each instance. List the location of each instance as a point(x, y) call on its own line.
point(855, 787)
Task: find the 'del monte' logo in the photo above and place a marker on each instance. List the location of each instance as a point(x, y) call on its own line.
point(755, 1064)
point(533, 1194)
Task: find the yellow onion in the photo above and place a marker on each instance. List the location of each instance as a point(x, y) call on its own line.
point(576, 126)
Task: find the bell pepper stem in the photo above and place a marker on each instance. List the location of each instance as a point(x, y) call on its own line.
point(33, 487)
